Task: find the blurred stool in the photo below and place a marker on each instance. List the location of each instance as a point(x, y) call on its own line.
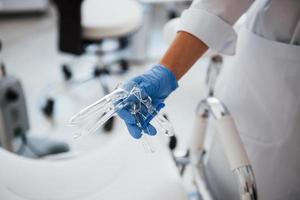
point(99, 28)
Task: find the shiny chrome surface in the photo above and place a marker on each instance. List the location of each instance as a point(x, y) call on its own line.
point(212, 105)
point(247, 183)
point(212, 73)
point(245, 175)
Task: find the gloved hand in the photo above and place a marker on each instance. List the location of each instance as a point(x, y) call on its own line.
point(157, 83)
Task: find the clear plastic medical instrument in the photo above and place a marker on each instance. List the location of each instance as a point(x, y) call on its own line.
point(94, 116)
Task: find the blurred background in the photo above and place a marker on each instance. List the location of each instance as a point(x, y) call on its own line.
point(58, 57)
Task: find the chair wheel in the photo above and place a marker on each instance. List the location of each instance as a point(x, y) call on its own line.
point(67, 72)
point(172, 14)
point(48, 108)
point(124, 64)
point(172, 142)
point(123, 42)
point(108, 126)
point(100, 71)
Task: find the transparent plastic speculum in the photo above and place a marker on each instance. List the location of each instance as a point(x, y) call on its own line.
point(95, 115)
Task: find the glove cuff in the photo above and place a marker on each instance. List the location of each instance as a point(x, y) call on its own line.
point(168, 76)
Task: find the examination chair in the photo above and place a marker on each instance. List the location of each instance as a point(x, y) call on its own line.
point(14, 121)
point(119, 170)
point(99, 28)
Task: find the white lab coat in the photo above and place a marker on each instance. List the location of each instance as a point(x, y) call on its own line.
point(260, 84)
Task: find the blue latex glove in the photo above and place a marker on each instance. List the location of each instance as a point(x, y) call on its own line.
point(157, 83)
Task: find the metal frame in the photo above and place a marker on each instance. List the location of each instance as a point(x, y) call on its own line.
point(212, 106)
point(244, 175)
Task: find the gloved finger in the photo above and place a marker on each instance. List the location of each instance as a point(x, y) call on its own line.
point(126, 116)
point(150, 130)
point(143, 117)
point(158, 104)
point(134, 131)
point(147, 116)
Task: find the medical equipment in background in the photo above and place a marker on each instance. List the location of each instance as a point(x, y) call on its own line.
point(94, 116)
point(98, 28)
point(13, 118)
point(233, 146)
point(14, 122)
point(235, 152)
point(13, 113)
point(21, 6)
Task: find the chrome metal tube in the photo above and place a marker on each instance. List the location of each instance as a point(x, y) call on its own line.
point(246, 181)
point(245, 175)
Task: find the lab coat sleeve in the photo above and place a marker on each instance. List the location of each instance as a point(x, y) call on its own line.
point(212, 22)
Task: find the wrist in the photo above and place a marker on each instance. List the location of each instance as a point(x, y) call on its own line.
point(184, 51)
point(167, 77)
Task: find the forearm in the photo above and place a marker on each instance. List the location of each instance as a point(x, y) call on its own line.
point(185, 50)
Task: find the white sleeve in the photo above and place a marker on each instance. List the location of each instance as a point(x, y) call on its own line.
point(212, 22)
